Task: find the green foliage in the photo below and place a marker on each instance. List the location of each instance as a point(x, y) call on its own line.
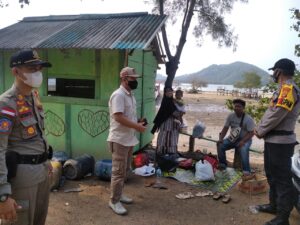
point(257, 109)
point(251, 80)
point(296, 27)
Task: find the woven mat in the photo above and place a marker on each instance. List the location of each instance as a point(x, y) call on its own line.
point(224, 180)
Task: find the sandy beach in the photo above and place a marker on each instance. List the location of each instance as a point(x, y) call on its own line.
point(154, 206)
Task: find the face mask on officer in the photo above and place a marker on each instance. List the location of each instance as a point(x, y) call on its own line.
point(132, 84)
point(275, 75)
point(33, 79)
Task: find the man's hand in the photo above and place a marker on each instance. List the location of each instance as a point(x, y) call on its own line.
point(8, 210)
point(140, 127)
point(257, 135)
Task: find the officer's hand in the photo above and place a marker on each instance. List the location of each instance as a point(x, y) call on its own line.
point(140, 127)
point(50, 172)
point(257, 135)
point(8, 210)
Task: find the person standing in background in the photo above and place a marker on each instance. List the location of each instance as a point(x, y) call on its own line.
point(277, 129)
point(121, 138)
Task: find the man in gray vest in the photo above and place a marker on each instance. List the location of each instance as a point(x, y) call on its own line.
point(24, 165)
point(277, 128)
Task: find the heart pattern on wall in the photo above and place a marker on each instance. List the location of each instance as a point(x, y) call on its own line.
point(93, 123)
point(54, 124)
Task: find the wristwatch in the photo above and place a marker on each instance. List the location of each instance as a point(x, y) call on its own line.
point(3, 197)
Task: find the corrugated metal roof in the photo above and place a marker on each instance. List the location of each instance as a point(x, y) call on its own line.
point(90, 31)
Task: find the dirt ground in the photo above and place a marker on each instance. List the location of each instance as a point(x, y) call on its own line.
point(160, 207)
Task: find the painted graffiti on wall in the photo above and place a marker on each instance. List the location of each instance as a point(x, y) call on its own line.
point(93, 123)
point(54, 124)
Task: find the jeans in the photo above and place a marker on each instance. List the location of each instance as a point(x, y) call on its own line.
point(244, 152)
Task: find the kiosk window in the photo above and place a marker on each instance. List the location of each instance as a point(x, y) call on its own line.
point(77, 88)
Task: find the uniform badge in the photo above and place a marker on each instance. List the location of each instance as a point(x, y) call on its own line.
point(20, 98)
point(286, 99)
point(8, 112)
point(5, 125)
point(30, 130)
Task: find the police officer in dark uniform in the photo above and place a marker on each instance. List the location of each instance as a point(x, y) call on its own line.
point(24, 151)
point(277, 128)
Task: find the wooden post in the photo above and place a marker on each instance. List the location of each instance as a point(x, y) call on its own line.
point(191, 144)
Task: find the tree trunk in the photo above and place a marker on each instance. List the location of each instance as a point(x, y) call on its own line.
point(171, 68)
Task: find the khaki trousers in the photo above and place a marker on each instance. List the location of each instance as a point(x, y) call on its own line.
point(121, 162)
point(34, 201)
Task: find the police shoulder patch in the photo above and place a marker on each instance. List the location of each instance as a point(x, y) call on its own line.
point(286, 99)
point(5, 125)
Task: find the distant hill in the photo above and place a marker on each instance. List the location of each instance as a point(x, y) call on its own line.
point(223, 74)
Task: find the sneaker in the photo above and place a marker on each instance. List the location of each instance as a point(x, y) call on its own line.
point(118, 208)
point(126, 200)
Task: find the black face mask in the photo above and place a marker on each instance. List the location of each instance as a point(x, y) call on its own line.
point(275, 75)
point(132, 84)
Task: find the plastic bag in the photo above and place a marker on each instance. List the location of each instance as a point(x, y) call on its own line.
point(198, 129)
point(204, 171)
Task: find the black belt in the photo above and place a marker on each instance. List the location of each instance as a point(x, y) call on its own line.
point(32, 159)
point(280, 132)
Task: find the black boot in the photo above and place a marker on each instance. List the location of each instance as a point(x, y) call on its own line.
point(278, 221)
point(266, 208)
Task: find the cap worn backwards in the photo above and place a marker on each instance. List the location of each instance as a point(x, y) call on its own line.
point(287, 65)
point(128, 72)
point(27, 57)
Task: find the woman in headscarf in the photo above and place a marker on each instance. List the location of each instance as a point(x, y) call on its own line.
point(165, 123)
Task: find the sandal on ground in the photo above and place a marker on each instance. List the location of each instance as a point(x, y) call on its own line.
point(217, 196)
point(226, 198)
point(185, 195)
point(204, 193)
point(250, 176)
point(159, 186)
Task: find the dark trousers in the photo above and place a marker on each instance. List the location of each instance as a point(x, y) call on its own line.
point(277, 159)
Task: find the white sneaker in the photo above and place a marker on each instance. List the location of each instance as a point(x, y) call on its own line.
point(126, 199)
point(118, 208)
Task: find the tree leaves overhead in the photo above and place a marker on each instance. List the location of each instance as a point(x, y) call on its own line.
point(208, 19)
point(296, 27)
point(4, 3)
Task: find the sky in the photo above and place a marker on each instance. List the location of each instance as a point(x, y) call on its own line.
point(262, 26)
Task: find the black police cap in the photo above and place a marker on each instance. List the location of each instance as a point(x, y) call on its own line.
point(27, 57)
point(287, 65)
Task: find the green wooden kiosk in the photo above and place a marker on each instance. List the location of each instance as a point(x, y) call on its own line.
point(87, 52)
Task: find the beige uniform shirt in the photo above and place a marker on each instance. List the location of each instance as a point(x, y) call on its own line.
point(122, 101)
point(281, 115)
point(22, 131)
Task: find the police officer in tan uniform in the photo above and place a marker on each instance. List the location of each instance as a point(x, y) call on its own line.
point(277, 128)
point(24, 165)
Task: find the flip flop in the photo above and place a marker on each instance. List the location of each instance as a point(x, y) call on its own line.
point(217, 196)
point(159, 186)
point(204, 193)
point(226, 198)
point(185, 195)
